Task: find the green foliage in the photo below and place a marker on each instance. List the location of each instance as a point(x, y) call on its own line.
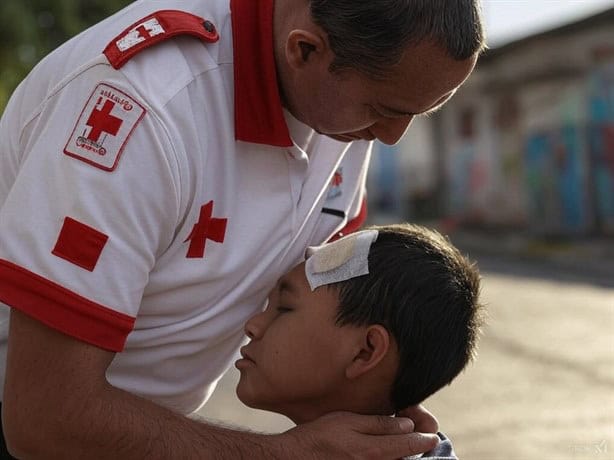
point(30, 29)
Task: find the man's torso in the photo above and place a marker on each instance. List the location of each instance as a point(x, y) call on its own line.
point(198, 226)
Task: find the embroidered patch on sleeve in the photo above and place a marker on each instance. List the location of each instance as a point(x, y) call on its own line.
point(104, 127)
point(80, 244)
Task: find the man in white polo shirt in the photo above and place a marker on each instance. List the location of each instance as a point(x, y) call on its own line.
point(159, 172)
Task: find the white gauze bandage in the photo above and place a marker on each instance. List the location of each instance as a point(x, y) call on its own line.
point(340, 260)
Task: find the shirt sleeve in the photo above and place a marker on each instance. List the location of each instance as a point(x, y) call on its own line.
point(91, 206)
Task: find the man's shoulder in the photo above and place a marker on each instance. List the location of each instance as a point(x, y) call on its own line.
point(164, 47)
point(155, 64)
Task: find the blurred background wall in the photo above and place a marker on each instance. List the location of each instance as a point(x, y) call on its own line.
point(527, 143)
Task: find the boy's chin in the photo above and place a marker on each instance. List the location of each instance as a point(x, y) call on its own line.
point(254, 402)
point(241, 394)
point(248, 399)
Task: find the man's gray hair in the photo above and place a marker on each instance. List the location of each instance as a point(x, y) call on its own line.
point(371, 35)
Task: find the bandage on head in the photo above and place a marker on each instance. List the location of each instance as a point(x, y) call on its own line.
point(340, 260)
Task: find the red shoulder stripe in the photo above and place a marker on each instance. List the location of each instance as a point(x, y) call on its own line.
point(63, 310)
point(155, 28)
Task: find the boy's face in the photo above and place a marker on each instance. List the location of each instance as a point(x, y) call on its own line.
point(295, 362)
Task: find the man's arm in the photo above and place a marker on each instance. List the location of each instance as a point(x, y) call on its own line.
point(57, 403)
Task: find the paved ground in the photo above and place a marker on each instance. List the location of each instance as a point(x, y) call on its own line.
point(543, 385)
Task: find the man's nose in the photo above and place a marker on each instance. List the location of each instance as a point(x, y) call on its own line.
point(391, 130)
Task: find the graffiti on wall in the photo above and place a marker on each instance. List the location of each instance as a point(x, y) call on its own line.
point(569, 167)
point(467, 172)
point(550, 165)
point(511, 192)
point(556, 180)
point(601, 145)
point(459, 180)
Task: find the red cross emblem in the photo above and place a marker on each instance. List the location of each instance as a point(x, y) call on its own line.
point(143, 32)
point(101, 121)
point(337, 179)
point(207, 228)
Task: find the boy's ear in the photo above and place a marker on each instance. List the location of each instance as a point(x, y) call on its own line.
point(303, 45)
point(374, 347)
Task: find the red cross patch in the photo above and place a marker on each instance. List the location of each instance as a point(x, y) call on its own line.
point(337, 178)
point(335, 189)
point(142, 32)
point(104, 127)
point(207, 228)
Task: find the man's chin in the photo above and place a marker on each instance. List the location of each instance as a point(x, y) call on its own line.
point(343, 137)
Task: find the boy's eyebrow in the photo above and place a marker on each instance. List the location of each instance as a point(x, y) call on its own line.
point(285, 285)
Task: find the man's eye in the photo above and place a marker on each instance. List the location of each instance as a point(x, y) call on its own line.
point(283, 309)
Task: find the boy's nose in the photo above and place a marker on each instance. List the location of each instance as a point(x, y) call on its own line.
point(255, 326)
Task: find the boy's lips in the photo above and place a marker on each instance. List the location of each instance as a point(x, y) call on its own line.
point(245, 355)
point(245, 360)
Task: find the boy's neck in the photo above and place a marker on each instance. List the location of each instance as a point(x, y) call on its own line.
point(300, 414)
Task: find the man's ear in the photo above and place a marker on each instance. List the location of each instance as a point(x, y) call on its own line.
point(374, 347)
point(303, 45)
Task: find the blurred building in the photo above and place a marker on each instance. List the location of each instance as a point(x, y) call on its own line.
point(527, 143)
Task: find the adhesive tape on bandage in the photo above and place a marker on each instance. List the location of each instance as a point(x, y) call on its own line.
point(340, 260)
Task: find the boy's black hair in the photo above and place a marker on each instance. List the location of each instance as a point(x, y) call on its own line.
point(425, 293)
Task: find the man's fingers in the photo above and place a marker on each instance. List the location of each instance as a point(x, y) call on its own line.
point(388, 425)
point(377, 424)
point(422, 442)
point(369, 437)
point(399, 446)
point(424, 421)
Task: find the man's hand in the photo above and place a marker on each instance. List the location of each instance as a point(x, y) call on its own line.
point(57, 403)
point(424, 421)
point(343, 435)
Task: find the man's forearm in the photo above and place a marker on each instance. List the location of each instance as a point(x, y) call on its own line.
point(115, 424)
point(57, 404)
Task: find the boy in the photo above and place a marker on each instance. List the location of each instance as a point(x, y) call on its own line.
point(372, 323)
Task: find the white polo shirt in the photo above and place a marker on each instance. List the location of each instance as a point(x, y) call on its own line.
point(147, 207)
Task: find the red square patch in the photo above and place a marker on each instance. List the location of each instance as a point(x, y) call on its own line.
point(80, 244)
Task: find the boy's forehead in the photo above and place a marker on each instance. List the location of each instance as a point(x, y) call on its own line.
point(340, 260)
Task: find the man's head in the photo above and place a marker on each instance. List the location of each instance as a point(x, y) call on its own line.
point(363, 69)
point(375, 343)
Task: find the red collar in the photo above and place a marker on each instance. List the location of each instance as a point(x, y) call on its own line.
point(258, 113)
